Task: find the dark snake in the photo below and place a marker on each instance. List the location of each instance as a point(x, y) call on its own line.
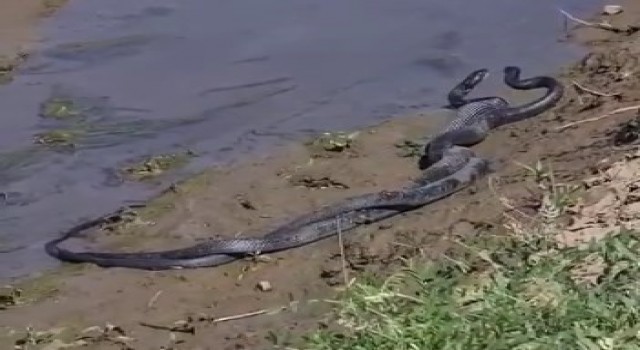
point(448, 166)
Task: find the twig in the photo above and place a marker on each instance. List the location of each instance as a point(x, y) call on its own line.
point(345, 272)
point(240, 316)
point(608, 114)
point(187, 328)
point(600, 25)
point(594, 92)
point(575, 19)
point(154, 299)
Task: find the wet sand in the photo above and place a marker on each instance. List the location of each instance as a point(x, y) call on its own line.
point(19, 20)
point(227, 79)
point(297, 179)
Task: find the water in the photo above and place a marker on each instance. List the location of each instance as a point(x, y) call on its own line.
point(225, 78)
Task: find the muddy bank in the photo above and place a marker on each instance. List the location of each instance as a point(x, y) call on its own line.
point(252, 196)
point(286, 70)
point(19, 21)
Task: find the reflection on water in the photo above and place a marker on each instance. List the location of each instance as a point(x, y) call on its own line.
point(15, 164)
point(88, 53)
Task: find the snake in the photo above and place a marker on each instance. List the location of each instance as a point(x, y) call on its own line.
point(477, 117)
point(452, 166)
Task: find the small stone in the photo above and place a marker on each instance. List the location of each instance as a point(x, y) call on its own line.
point(612, 10)
point(264, 286)
point(462, 229)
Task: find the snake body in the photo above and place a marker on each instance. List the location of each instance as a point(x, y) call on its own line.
point(451, 166)
point(477, 117)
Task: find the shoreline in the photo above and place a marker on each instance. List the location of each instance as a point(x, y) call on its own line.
point(290, 175)
point(19, 24)
point(74, 212)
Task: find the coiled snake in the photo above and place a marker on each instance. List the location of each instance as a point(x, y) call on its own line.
point(448, 166)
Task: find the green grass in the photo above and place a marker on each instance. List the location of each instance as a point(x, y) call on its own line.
point(518, 292)
point(504, 293)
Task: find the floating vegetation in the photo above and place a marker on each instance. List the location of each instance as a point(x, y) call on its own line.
point(65, 104)
point(75, 121)
point(19, 158)
point(60, 109)
point(57, 138)
point(86, 135)
point(157, 165)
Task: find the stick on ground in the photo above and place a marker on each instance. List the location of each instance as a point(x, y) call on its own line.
point(594, 92)
point(600, 25)
point(345, 272)
point(606, 115)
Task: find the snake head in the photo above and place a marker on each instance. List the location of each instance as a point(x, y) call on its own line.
point(511, 73)
point(475, 78)
point(457, 94)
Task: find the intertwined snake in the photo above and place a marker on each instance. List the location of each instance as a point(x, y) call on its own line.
point(448, 166)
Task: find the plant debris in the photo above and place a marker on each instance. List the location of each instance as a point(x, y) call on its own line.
point(120, 220)
point(604, 25)
point(33, 337)
point(59, 108)
point(319, 183)
point(410, 148)
point(109, 333)
point(245, 202)
point(10, 296)
point(157, 165)
point(8, 66)
point(334, 141)
point(180, 326)
point(627, 133)
point(65, 139)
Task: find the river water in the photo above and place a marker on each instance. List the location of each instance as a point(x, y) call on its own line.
point(230, 77)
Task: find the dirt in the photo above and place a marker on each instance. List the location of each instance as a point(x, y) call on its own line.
point(278, 297)
point(18, 30)
point(611, 203)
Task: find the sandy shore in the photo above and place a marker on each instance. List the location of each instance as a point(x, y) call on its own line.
point(254, 195)
point(19, 20)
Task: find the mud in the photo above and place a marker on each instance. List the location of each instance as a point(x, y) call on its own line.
point(18, 23)
point(227, 79)
point(188, 309)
